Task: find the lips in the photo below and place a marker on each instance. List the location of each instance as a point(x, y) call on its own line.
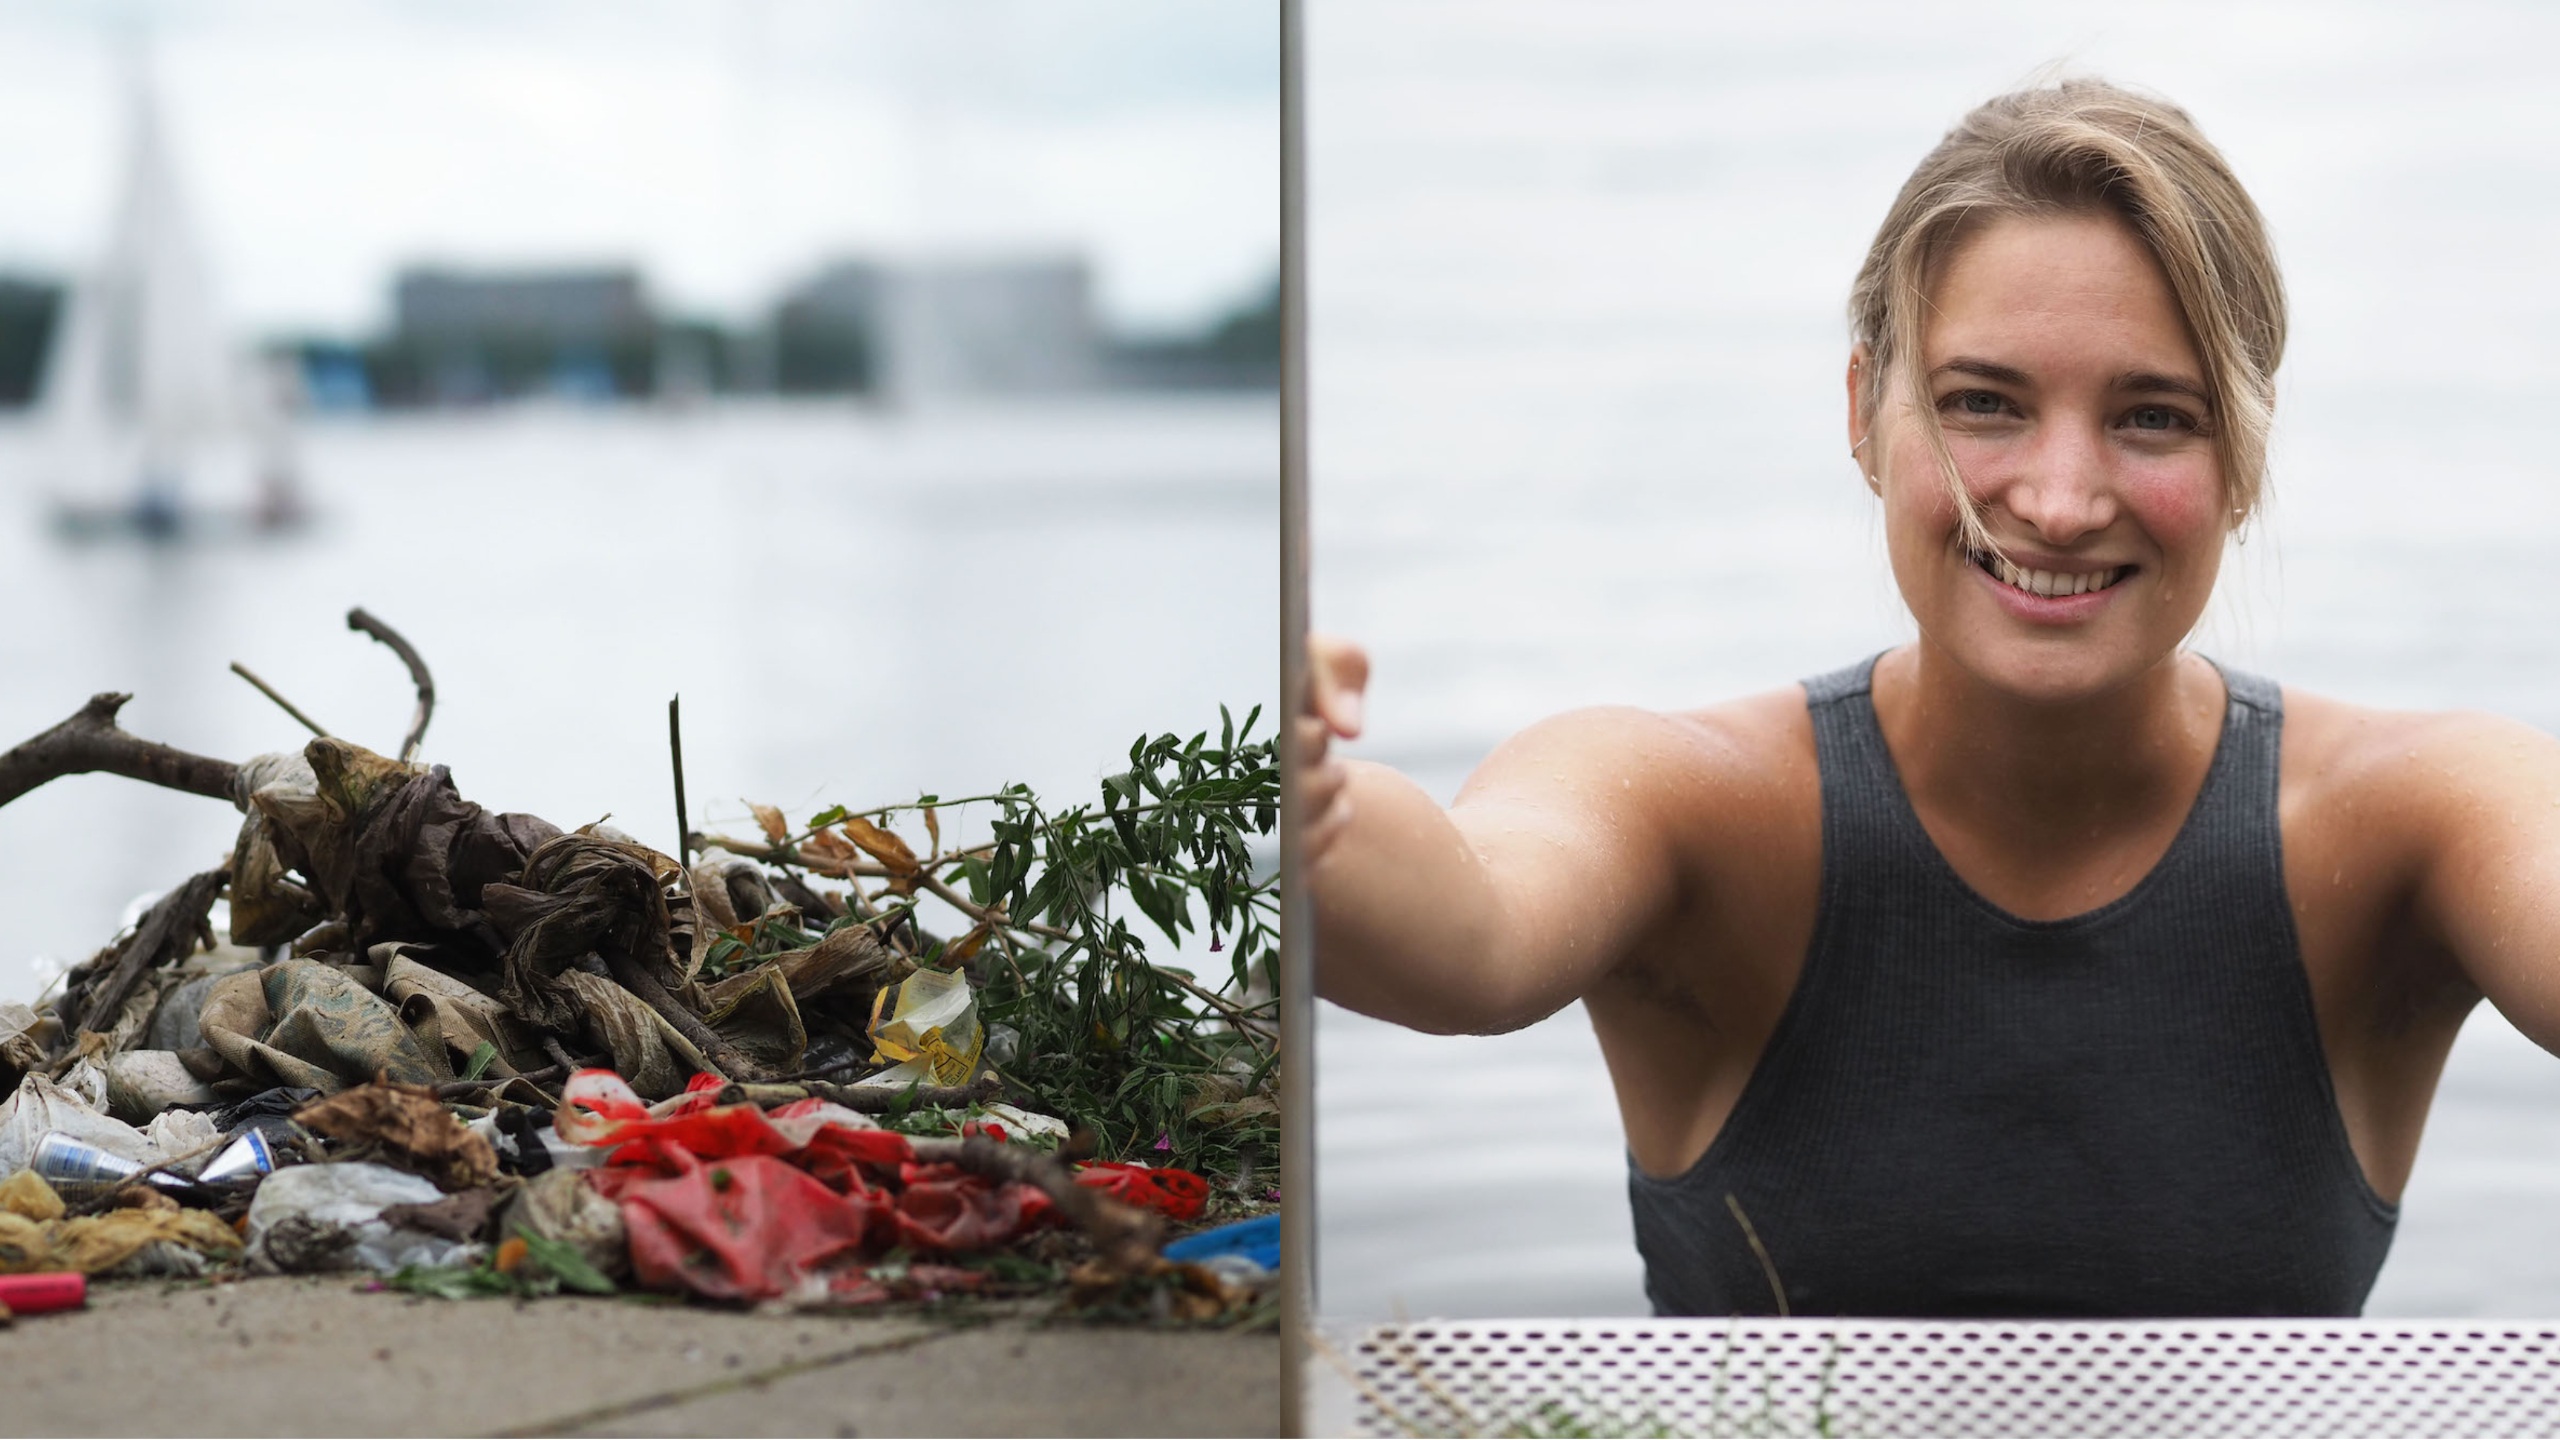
point(2049, 584)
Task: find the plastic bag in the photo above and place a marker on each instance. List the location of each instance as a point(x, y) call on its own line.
point(943, 1207)
point(143, 1083)
point(559, 1205)
point(932, 1033)
point(35, 1236)
point(750, 1228)
point(40, 1106)
point(1176, 1194)
point(329, 1217)
point(596, 1108)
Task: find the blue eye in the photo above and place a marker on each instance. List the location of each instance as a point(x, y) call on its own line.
point(2154, 417)
point(1979, 402)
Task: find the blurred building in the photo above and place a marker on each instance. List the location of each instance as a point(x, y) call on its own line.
point(460, 337)
point(28, 309)
point(1238, 351)
point(941, 327)
point(895, 330)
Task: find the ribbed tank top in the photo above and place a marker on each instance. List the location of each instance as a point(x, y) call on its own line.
point(1963, 1113)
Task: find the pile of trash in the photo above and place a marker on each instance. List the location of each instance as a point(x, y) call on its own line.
point(471, 1052)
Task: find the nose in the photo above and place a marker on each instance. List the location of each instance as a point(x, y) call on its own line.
point(2063, 487)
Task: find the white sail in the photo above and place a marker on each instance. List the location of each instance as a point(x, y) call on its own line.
point(140, 379)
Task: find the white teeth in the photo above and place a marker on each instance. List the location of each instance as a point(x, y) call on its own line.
point(2051, 583)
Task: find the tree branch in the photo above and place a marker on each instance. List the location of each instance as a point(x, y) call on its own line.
point(881, 1099)
point(167, 934)
point(924, 876)
point(631, 975)
point(91, 741)
point(245, 673)
point(1123, 1235)
point(359, 619)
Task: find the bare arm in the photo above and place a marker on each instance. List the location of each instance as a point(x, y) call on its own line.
point(1550, 867)
point(2484, 794)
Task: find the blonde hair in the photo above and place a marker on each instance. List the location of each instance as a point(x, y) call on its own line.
point(2084, 146)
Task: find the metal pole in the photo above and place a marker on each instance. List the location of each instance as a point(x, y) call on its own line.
point(1297, 956)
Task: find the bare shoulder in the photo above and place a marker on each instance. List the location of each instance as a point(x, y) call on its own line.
point(2420, 768)
point(1712, 796)
point(1740, 742)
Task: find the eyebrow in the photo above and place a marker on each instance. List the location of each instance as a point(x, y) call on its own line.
point(1981, 370)
point(2136, 380)
point(2165, 384)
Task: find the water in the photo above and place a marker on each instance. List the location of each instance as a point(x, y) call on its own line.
point(855, 607)
point(1578, 277)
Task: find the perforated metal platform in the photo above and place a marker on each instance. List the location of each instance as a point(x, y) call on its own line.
point(1849, 1377)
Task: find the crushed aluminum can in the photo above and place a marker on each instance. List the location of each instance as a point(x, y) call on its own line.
point(246, 1156)
point(77, 1170)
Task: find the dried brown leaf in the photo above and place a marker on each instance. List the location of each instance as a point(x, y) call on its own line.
point(882, 846)
point(967, 945)
point(776, 829)
point(829, 854)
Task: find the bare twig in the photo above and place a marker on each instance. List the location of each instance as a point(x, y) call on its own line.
point(1227, 1010)
point(1768, 1268)
point(91, 741)
point(632, 976)
point(829, 865)
point(166, 934)
point(358, 619)
point(1242, 1020)
point(451, 1088)
point(1123, 1235)
point(245, 673)
point(675, 749)
point(559, 1055)
point(881, 1099)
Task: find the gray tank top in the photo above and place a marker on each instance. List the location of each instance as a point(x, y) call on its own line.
point(1963, 1113)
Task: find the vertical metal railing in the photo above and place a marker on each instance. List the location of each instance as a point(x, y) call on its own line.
point(1297, 954)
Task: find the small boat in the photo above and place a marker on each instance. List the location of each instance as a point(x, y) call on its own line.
point(147, 410)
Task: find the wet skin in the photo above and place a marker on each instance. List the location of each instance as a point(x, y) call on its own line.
point(1664, 868)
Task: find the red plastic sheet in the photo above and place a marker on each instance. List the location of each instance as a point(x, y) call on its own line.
point(945, 1208)
point(749, 1228)
point(735, 1203)
point(1178, 1194)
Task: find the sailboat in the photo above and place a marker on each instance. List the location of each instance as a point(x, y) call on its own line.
point(146, 406)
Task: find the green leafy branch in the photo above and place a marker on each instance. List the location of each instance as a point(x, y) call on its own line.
point(1156, 1060)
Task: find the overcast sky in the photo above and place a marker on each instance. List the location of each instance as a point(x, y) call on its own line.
point(725, 146)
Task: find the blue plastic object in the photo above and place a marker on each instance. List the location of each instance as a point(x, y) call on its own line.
point(1255, 1240)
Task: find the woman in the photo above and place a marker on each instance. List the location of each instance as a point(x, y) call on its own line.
point(2039, 967)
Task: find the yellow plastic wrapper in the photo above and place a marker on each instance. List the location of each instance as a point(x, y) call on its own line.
point(26, 1195)
point(932, 1035)
point(34, 1236)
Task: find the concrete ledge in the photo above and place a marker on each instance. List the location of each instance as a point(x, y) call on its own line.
point(315, 1356)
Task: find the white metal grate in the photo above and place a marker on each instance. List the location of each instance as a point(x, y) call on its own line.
point(1861, 1377)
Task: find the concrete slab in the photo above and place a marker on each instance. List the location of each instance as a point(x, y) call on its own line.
point(315, 1356)
point(1010, 1378)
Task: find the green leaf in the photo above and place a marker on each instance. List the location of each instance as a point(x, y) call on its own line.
point(563, 1260)
point(480, 1059)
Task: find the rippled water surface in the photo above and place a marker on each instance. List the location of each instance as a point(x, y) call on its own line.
point(1578, 280)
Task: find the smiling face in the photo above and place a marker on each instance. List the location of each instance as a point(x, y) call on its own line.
point(2075, 407)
